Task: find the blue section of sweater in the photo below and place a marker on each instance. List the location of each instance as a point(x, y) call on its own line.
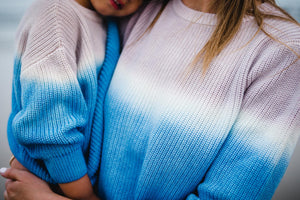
point(46, 129)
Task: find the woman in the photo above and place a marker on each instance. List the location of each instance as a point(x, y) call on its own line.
point(203, 105)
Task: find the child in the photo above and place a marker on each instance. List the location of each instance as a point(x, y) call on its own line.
point(59, 85)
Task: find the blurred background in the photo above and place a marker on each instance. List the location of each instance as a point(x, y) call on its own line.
point(11, 12)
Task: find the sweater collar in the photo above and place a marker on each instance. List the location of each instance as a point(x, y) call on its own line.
point(195, 16)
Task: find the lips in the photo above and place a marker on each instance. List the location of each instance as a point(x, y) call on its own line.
point(117, 4)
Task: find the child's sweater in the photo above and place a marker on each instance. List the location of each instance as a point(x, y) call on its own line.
point(170, 134)
point(59, 84)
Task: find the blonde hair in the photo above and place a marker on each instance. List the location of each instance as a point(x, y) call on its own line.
point(229, 18)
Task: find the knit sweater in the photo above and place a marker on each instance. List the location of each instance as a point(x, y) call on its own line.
point(172, 133)
point(59, 85)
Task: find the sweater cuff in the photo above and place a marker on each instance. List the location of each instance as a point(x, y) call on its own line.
point(67, 168)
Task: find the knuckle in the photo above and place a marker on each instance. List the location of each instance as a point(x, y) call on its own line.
point(10, 187)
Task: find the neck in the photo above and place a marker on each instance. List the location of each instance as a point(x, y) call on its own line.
point(199, 5)
point(85, 3)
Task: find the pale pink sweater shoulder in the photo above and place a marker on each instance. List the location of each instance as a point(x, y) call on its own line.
point(49, 25)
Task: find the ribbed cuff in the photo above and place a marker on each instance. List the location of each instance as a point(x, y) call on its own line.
point(67, 168)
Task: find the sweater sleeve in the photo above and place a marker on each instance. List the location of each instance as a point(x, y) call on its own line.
point(53, 111)
point(256, 153)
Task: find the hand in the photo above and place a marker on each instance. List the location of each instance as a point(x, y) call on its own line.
point(17, 165)
point(24, 185)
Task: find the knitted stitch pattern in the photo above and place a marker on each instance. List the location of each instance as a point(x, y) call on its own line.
point(59, 86)
point(172, 133)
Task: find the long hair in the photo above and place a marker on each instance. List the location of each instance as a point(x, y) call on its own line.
point(230, 14)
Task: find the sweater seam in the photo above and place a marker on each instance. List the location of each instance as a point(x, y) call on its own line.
point(38, 62)
point(59, 43)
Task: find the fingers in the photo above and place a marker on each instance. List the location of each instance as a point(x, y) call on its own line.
point(8, 182)
point(3, 171)
point(12, 173)
point(11, 188)
point(6, 173)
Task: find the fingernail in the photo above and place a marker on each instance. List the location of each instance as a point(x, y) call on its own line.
point(3, 170)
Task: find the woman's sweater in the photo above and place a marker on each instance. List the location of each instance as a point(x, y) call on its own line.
point(171, 133)
point(59, 85)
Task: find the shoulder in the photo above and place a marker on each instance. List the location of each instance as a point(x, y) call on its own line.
point(279, 35)
point(46, 26)
point(283, 39)
point(47, 10)
point(48, 18)
point(276, 54)
point(277, 50)
point(283, 30)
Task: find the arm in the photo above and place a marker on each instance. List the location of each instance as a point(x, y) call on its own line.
point(49, 106)
point(54, 137)
point(48, 124)
point(80, 189)
point(255, 155)
point(23, 185)
point(49, 103)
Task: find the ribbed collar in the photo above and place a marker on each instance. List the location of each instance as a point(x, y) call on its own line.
point(195, 16)
point(91, 14)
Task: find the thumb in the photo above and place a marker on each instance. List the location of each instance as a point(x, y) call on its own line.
point(10, 173)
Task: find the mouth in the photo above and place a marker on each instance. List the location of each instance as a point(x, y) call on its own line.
point(117, 4)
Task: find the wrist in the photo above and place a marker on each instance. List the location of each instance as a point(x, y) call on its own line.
point(80, 189)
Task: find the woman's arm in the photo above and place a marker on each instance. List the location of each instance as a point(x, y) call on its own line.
point(24, 185)
point(79, 189)
point(256, 153)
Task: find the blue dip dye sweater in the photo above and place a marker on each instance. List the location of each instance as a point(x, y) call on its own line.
point(170, 133)
point(61, 75)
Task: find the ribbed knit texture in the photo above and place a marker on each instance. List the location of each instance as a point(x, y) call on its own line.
point(171, 133)
point(59, 86)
